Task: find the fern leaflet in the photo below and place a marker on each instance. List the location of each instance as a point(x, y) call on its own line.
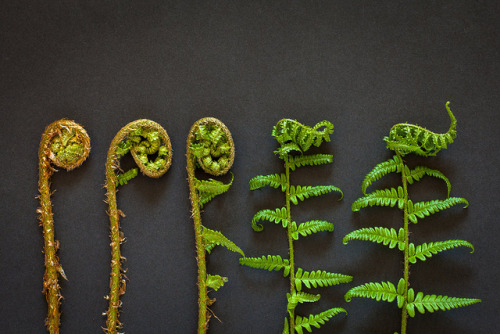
point(385, 197)
point(300, 297)
point(385, 291)
point(390, 166)
point(379, 235)
point(311, 227)
point(273, 180)
point(279, 215)
point(212, 238)
point(418, 172)
point(215, 281)
point(303, 192)
point(122, 179)
point(423, 209)
point(309, 160)
point(269, 262)
point(433, 303)
point(208, 189)
point(426, 250)
point(319, 278)
point(316, 320)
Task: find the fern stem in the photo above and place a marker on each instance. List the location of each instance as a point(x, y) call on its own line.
point(290, 244)
point(406, 275)
point(134, 137)
point(65, 144)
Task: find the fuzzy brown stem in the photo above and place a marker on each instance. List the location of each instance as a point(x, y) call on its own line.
point(117, 282)
point(65, 144)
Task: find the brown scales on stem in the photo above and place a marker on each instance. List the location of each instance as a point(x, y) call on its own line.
point(64, 144)
point(142, 138)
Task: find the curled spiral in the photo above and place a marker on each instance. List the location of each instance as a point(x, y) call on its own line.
point(149, 145)
point(211, 143)
point(409, 138)
point(64, 144)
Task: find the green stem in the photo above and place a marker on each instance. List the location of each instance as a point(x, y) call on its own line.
point(290, 244)
point(65, 144)
point(404, 315)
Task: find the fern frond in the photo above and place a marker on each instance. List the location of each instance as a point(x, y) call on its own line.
point(273, 180)
point(319, 278)
point(288, 131)
point(295, 161)
point(208, 189)
point(285, 149)
point(423, 209)
point(279, 215)
point(431, 303)
point(212, 238)
point(286, 328)
point(418, 172)
point(311, 227)
point(426, 250)
point(300, 297)
point(409, 138)
point(384, 197)
point(215, 281)
point(269, 262)
point(316, 320)
point(379, 235)
point(385, 291)
point(122, 179)
point(303, 192)
point(390, 166)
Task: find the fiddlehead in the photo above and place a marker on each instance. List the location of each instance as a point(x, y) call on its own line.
point(209, 146)
point(404, 139)
point(64, 144)
point(150, 147)
point(294, 137)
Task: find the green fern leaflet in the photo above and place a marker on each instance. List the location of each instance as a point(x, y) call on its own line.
point(294, 139)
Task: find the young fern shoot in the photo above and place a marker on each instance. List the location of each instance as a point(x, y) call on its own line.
point(150, 147)
point(64, 144)
point(404, 139)
point(209, 146)
point(295, 139)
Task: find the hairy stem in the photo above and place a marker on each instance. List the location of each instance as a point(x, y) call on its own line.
point(406, 275)
point(143, 139)
point(209, 146)
point(290, 244)
point(65, 144)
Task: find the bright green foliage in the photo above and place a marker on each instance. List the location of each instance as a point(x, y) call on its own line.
point(212, 238)
point(208, 189)
point(318, 278)
point(404, 139)
point(310, 227)
point(278, 216)
point(424, 209)
point(315, 320)
point(269, 262)
point(379, 235)
point(431, 303)
point(294, 139)
point(215, 281)
point(122, 179)
point(303, 192)
point(426, 250)
point(309, 160)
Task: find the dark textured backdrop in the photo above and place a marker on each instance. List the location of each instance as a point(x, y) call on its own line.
point(362, 65)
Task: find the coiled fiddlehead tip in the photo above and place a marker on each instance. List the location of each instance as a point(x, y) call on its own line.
point(149, 145)
point(65, 143)
point(212, 146)
point(407, 138)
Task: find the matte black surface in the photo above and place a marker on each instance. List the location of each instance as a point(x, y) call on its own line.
point(363, 65)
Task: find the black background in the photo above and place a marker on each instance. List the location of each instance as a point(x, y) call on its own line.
point(363, 65)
